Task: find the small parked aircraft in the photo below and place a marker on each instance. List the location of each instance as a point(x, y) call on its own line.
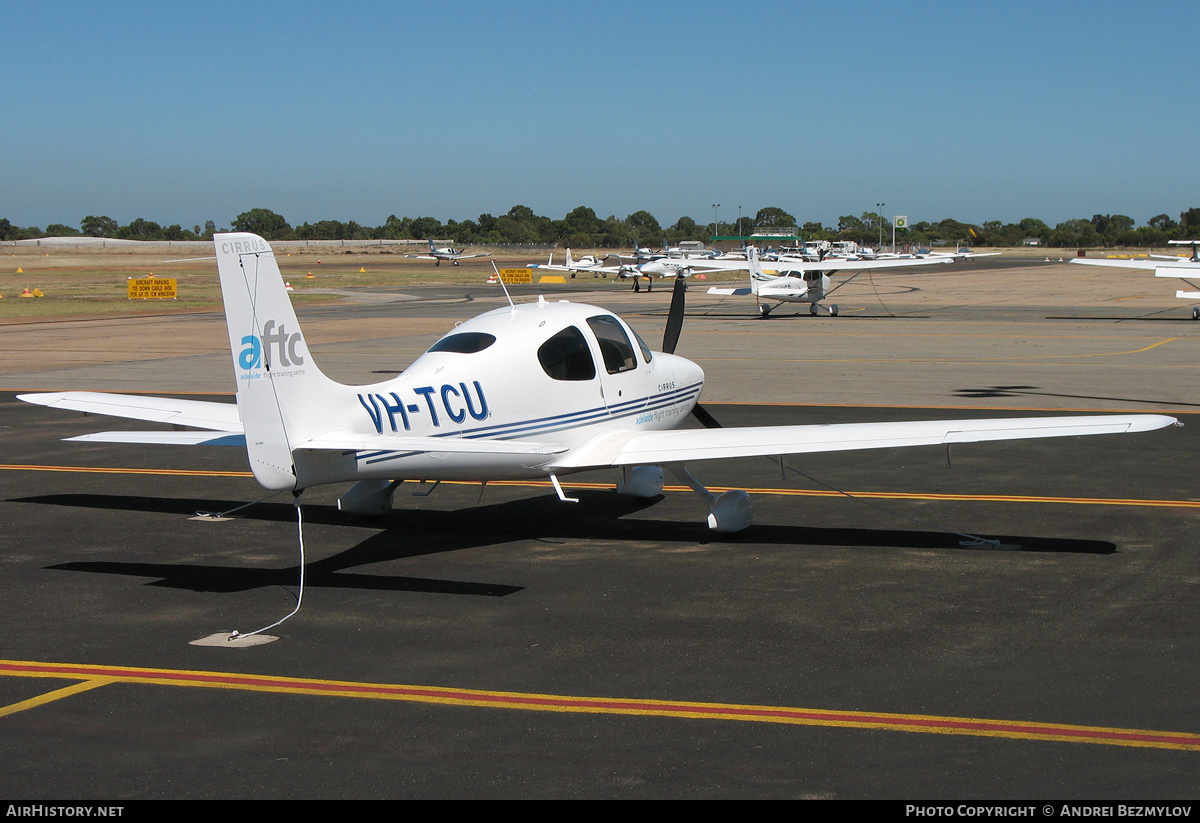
point(1163, 266)
point(531, 390)
point(798, 281)
point(640, 266)
point(445, 253)
point(587, 263)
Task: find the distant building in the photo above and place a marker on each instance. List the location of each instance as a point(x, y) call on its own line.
point(777, 232)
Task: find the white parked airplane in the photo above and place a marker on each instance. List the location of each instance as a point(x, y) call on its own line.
point(445, 253)
point(535, 390)
point(1163, 266)
point(587, 263)
point(798, 281)
point(647, 268)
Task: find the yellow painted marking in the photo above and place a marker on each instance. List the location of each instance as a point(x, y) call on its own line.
point(1108, 354)
point(781, 492)
point(939, 497)
point(59, 694)
point(951, 361)
point(134, 391)
point(525, 701)
point(29, 467)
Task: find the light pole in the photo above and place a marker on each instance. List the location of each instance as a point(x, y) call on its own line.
point(879, 214)
point(739, 221)
point(715, 207)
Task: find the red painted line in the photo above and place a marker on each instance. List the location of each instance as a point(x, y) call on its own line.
point(659, 708)
point(931, 496)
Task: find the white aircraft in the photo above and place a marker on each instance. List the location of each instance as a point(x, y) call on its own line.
point(800, 281)
point(445, 253)
point(536, 390)
point(962, 253)
point(647, 268)
point(1163, 266)
point(587, 263)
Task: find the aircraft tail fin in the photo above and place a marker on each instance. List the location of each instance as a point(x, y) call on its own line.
point(755, 266)
point(282, 397)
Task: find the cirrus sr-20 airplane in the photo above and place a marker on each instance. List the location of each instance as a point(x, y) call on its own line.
point(438, 254)
point(535, 390)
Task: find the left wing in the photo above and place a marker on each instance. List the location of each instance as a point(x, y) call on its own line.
point(1180, 267)
point(832, 264)
point(681, 445)
point(1186, 267)
point(225, 427)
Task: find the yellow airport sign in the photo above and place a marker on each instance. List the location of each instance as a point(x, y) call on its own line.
point(152, 288)
point(517, 275)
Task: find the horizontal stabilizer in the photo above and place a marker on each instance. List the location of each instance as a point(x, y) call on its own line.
point(160, 438)
point(200, 414)
point(1177, 271)
point(741, 292)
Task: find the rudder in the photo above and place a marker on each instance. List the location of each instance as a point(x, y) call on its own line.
point(279, 387)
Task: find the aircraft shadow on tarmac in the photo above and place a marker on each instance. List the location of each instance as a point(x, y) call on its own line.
point(406, 533)
point(988, 392)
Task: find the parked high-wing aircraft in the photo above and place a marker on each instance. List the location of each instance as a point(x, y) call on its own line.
point(445, 253)
point(531, 390)
point(647, 268)
point(1163, 266)
point(798, 281)
point(587, 263)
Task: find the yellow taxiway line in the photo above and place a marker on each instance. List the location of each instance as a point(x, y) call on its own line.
point(93, 676)
point(781, 492)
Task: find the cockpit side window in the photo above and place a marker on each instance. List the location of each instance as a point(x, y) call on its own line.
point(467, 342)
point(614, 343)
point(566, 356)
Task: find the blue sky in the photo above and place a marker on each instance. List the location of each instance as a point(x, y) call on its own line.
point(990, 111)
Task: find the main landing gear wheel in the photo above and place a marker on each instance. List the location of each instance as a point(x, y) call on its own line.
point(812, 309)
point(1196, 313)
point(763, 311)
point(833, 310)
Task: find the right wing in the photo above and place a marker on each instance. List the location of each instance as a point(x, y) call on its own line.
point(1162, 266)
point(682, 445)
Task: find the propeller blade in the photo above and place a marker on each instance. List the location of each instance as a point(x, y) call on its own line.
point(706, 419)
point(674, 317)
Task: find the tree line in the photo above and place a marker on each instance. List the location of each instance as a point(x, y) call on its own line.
point(582, 228)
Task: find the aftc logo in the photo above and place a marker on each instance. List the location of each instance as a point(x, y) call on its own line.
point(279, 345)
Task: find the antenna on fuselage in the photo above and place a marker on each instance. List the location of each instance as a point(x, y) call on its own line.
point(503, 286)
